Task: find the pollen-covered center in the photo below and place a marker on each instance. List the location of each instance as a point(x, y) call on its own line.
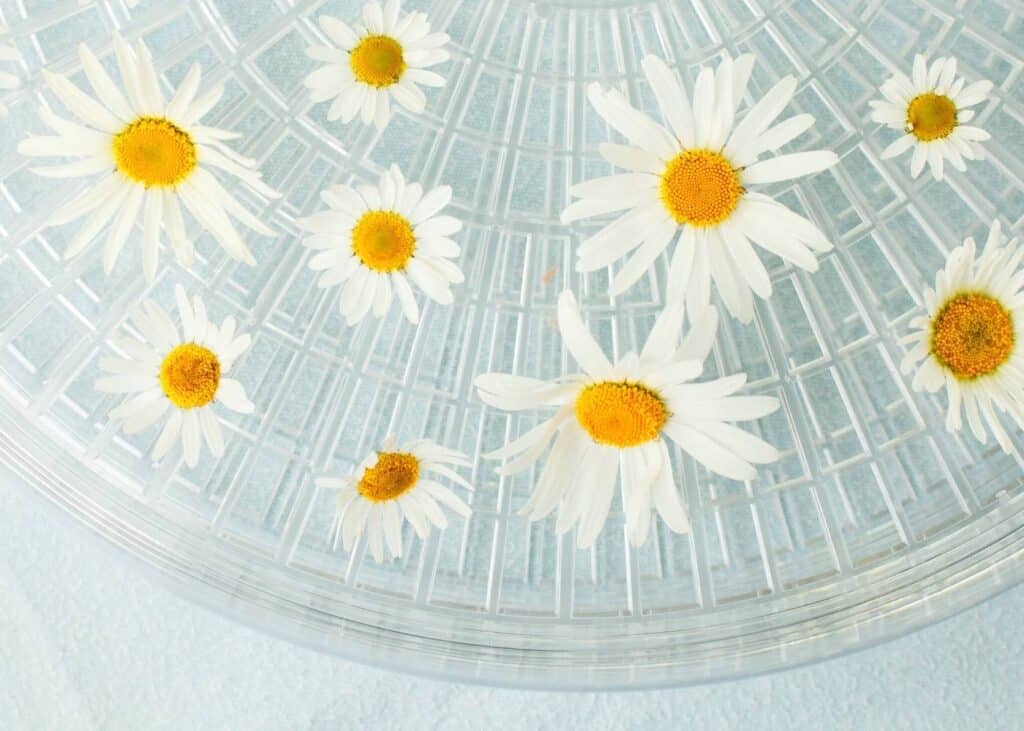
point(377, 61)
point(700, 188)
point(154, 152)
point(190, 375)
point(972, 335)
point(931, 117)
point(383, 240)
point(621, 414)
point(394, 474)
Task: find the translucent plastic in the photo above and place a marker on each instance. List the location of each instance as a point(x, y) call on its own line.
point(874, 522)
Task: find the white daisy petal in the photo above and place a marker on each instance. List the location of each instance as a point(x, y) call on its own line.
point(787, 167)
point(169, 436)
point(672, 99)
point(632, 158)
point(212, 432)
point(578, 340)
point(124, 222)
point(710, 453)
point(602, 490)
point(666, 498)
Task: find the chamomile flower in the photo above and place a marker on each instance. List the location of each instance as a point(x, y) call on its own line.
point(181, 373)
point(970, 340)
point(385, 57)
point(8, 80)
point(931, 109)
point(617, 417)
point(150, 156)
point(374, 240)
point(690, 182)
point(395, 484)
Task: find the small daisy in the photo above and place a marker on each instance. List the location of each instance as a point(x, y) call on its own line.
point(394, 485)
point(970, 340)
point(386, 56)
point(151, 155)
point(8, 80)
point(616, 417)
point(182, 371)
point(375, 239)
point(932, 110)
point(690, 183)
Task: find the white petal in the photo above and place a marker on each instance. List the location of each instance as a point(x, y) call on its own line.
point(709, 453)
point(212, 431)
point(232, 394)
point(169, 436)
point(787, 167)
point(672, 99)
point(578, 340)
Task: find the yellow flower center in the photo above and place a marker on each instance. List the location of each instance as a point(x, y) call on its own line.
point(700, 188)
point(621, 414)
point(383, 240)
point(190, 375)
point(154, 152)
point(972, 335)
point(931, 117)
point(394, 474)
point(377, 61)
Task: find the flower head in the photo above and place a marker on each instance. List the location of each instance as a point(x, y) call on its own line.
point(692, 181)
point(374, 240)
point(394, 485)
point(970, 340)
point(181, 371)
point(619, 417)
point(367, 65)
point(149, 157)
point(931, 109)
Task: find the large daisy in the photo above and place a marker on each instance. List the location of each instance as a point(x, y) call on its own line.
point(395, 484)
point(374, 239)
point(385, 57)
point(149, 156)
point(8, 80)
point(617, 417)
point(971, 339)
point(690, 182)
point(182, 372)
point(931, 109)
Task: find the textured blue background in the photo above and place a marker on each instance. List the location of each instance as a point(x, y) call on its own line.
point(87, 642)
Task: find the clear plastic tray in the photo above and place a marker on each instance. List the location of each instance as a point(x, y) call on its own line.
point(876, 521)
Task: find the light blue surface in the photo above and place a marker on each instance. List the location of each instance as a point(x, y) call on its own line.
point(88, 643)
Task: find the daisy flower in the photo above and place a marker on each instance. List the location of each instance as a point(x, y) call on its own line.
point(932, 110)
point(8, 54)
point(384, 57)
point(970, 340)
point(178, 371)
point(617, 417)
point(395, 484)
point(151, 157)
point(374, 239)
point(690, 182)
